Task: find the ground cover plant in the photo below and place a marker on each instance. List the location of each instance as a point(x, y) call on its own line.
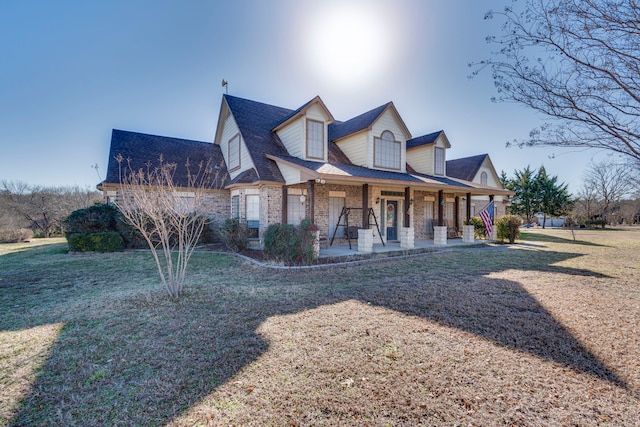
point(546, 332)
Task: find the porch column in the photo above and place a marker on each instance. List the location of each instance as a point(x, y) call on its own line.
point(311, 196)
point(468, 208)
point(285, 197)
point(457, 213)
point(407, 206)
point(441, 208)
point(365, 206)
point(494, 230)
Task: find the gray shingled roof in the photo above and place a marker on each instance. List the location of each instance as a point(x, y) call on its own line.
point(256, 121)
point(423, 140)
point(363, 172)
point(465, 168)
point(142, 148)
point(339, 130)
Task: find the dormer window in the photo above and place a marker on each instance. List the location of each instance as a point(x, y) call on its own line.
point(315, 139)
point(439, 159)
point(387, 151)
point(234, 152)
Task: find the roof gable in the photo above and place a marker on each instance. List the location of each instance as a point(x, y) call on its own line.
point(365, 121)
point(255, 121)
point(302, 110)
point(465, 168)
point(430, 138)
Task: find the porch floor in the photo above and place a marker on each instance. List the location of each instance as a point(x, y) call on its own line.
point(342, 249)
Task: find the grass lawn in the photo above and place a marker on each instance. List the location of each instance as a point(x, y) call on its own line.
point(546, 332)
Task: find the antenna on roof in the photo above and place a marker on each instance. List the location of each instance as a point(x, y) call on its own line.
point(225, 84)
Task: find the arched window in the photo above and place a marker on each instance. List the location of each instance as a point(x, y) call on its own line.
point(386, 151)
point(483, 178)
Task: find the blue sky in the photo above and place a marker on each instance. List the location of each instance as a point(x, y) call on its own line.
point(72, 71)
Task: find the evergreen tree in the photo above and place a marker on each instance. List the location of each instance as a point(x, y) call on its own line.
point(525, 202)
point(554, 198)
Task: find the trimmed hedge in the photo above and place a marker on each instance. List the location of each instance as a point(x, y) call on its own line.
point(235, 234)
point(106, 241)
point(479, 232)
point(508, 227)
point(290, 245)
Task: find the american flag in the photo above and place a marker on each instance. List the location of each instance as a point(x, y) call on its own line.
point(487, 218)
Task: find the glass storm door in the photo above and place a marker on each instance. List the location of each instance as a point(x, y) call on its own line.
point(392, 220)
point(335, 209)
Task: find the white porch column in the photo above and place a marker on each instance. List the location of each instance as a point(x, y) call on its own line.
point(467, 233)
point(494, 234)
point(316, 244)
point(365, 240)
point(407, 237)
point(440, 235)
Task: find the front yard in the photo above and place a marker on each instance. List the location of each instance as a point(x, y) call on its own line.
point(546, 333)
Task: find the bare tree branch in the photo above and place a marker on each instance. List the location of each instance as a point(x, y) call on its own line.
point(577, 62)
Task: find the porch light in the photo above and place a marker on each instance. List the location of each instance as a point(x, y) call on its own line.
point(378, 201)
point(320, 181)
point(303, 198)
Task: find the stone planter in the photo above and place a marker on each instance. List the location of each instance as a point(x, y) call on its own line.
point(468, 233)
point(440, 235)
point(407, 237)
point(365, 240)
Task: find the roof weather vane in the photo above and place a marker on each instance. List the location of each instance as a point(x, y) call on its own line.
point(225, 84)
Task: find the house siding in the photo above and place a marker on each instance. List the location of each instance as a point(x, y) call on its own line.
point(421, 159)
point(230, 129)
point(356, 148)
point(293, 137)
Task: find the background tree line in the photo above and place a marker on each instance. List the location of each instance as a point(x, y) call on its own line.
point(39, 208)
point(610, 194)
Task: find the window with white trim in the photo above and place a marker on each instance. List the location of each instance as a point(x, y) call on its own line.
point(235, 207)
point(296, 208)
point(252, 212)
point(439, 159)
point(386, 151)
point(483, 178)
point(315, 139)
point(234, 152)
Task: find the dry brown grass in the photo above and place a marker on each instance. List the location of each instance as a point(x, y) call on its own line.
point(544, 333)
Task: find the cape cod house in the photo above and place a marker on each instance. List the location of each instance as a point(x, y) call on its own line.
point(369, 172)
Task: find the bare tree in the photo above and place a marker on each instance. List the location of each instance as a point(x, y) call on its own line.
point(42, 208)
point(578, 63)
point(587, 202)
point(170, 217)
point(610, 182)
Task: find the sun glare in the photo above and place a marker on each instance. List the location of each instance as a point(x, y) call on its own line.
point(348, 44)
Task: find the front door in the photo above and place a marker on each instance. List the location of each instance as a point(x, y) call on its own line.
point(392, 220)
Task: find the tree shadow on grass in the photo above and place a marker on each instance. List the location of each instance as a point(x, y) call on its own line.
point(145, 360)
point(539, 237)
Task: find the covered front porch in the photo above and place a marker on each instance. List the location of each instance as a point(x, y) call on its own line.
point(342, 249)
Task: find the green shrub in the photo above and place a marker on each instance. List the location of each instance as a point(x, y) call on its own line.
point(479, 232)
point(15, 236)
point(235, 234)
point(290, 245)
point(106, 241)
point(508, 227)
point(94, 219)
